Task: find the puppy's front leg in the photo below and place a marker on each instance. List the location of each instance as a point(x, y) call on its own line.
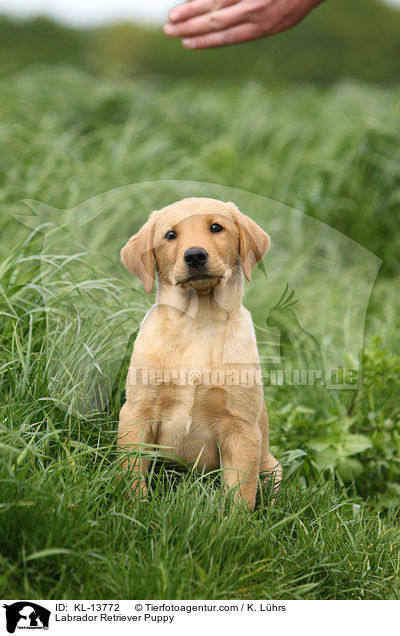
point(135, 430)
point(240, 458)
point(269, 466)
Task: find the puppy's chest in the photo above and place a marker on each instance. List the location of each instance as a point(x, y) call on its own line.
point(187, 421)
point(191, 346)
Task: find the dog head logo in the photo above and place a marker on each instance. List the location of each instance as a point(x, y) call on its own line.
point(90, 322)
point(26, 615)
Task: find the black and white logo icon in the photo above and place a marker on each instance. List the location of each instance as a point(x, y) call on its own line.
point(26, 615)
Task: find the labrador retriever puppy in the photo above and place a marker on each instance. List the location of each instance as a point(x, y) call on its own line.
point(194, 382)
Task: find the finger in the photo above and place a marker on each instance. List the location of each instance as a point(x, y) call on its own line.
point(207, 23)
point(189, 10)
point(239, 33)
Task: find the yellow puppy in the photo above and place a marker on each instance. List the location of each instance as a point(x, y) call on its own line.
point(194, 382)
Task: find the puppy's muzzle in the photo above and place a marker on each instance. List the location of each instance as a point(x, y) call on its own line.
point(199, 274)
point(195, 257)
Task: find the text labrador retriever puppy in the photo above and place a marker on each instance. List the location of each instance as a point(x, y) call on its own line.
point(194, 382)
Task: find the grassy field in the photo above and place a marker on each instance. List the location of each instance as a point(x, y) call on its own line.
point(66, 531)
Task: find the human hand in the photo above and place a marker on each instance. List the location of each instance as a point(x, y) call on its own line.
point(206, 24)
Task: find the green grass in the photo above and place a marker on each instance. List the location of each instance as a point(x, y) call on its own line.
point(66, 530)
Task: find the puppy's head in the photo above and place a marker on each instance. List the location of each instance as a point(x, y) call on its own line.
point(195, 243)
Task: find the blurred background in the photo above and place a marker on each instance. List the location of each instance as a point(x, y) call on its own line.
point(340, 39)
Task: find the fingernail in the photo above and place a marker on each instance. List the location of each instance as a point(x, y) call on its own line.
point(170, 30)
point(188, 42)
point(174, 14)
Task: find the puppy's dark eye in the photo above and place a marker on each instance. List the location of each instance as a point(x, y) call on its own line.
point(216, 227)
point(170, 235)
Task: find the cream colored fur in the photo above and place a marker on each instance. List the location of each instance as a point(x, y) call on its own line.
point(197, 326)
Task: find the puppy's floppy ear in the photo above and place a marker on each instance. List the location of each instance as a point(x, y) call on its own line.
point(137, 255)
point(253, 241)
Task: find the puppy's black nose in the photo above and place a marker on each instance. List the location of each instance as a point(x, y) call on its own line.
point(195, 256)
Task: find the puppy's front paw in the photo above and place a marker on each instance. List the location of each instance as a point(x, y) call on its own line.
point(137, 491)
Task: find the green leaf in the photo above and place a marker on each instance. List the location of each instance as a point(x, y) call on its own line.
point(349, 469)
point(356, 444)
